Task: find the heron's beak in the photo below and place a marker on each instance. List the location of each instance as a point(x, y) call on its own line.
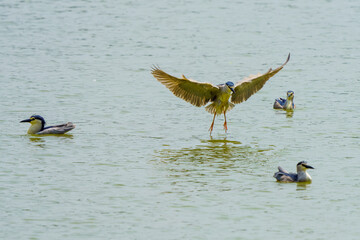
point(26, 120)
point(232, 89)
point(308, 166)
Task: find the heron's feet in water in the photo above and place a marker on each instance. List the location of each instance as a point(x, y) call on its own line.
point(225, 126)
point(211, 128)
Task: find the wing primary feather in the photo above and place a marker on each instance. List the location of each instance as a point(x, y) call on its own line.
point(249, 86)
point(194, 92)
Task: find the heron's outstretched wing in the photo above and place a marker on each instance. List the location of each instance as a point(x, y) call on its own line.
point(191, 91)
point(247, 87)
point(58, 129)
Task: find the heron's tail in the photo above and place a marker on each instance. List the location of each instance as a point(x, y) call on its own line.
point(215, 108)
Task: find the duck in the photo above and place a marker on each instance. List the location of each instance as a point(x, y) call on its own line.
point(38, 126)
point(286, 104)
point(301, 176)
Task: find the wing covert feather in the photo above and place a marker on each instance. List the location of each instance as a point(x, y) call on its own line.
point(194, 92)
point(58, 129)
point(247, 87)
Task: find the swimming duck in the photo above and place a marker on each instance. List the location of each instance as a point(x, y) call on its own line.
point(286, 104)
point(301, 175)
point(38, 126)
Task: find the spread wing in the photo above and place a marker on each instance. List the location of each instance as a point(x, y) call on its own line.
point(247, 87)
point(194, 92)
point(58, 129)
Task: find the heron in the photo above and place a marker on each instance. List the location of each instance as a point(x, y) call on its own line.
point(301, 176)
point(200, 93)
point(286, 104)
point(38, 126)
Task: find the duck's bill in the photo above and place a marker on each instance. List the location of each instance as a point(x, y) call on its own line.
point(26, 120)
point(308, 166)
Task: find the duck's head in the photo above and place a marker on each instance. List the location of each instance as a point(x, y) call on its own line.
point(35, 119)
point(230, 86)
point(303, 166)
point(290, 95)
point(37, 123)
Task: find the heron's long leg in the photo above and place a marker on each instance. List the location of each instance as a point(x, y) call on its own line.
point(225, 123)
point(212, 124)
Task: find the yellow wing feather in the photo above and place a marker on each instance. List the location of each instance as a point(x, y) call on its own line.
point(247, 87)
point(194, 92)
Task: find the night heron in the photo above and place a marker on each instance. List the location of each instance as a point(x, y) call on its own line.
point(301, 175)
point(38, 126)
point(199, 94)
point(286, 104)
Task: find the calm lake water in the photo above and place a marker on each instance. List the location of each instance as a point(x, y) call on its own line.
point(140, 163)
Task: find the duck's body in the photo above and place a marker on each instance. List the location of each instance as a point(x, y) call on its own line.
point(301, 176)
point(38, 126)
point(286, 104)
point(199, 94)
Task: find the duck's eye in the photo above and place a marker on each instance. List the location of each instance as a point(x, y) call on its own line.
point(32, 118)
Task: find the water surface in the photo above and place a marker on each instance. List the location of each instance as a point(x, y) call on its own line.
point(140, 163)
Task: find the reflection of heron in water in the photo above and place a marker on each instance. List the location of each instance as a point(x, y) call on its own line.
point(196, 167)
point(220, 153)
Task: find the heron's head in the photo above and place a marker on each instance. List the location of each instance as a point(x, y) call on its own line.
point(290, 95)
point(35, 120)
point(302, 166)
point(230, 86)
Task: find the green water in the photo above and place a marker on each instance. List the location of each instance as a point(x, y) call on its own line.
point(140, 163)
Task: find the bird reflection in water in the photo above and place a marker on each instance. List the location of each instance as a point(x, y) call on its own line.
point(302, 186)
point(194, 168)
point(219, 155)
point(40, 141)
point(287, 113)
